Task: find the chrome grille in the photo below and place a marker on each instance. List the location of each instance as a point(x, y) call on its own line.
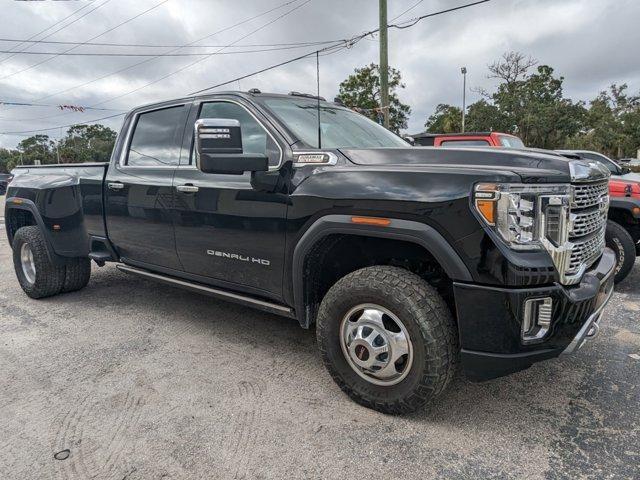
point(588, 224)
point(589, 195)
point(584, 223)
point(587, 252)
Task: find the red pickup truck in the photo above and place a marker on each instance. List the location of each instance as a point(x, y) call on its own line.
point(623, 225)
point(470, 139)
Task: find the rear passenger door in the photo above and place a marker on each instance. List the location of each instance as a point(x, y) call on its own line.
point(138, 190)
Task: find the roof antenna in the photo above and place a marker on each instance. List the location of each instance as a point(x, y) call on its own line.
point(318, 97)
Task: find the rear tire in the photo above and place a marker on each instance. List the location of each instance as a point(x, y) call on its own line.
point(406, 304)
point(38, 276)
point(620, 241)
point(78, 273)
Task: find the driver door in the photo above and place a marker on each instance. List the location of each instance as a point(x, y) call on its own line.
point(228, 233)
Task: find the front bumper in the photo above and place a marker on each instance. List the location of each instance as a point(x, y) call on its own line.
point(490, 321)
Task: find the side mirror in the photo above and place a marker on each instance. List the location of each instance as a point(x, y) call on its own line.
point(218, 145)
point(624, 170)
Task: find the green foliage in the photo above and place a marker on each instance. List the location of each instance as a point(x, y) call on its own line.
point(532, 105)
point(82, 143)
point(362, 91)
point(446, 119)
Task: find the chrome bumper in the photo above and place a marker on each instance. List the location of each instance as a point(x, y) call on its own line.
point(591, 327)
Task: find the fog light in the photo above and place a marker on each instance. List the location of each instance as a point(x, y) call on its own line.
point(537, 319)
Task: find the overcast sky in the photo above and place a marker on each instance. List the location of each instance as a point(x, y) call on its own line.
point(592, 43)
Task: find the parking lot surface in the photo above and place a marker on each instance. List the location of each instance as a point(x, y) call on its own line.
point(143, 381)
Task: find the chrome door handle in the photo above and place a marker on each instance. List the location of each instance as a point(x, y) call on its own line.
point(187, 188)
point(115, 185)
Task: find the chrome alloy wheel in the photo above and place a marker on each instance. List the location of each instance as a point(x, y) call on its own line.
point(376, 344)
point(28, 265)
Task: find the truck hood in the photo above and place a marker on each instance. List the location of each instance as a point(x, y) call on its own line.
point(530, 166)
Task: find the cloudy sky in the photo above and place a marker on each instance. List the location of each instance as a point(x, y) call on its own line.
point(592, 43)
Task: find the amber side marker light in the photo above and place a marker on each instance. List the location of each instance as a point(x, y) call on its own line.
point(378, 222)
point(486, 201)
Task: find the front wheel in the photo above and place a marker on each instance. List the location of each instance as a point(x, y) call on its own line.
point(387, 339)
point(619, 240)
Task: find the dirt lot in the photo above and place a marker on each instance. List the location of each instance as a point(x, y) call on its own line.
point(142, 381)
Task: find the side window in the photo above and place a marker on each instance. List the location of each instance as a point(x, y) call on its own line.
point(464, 143)
point(255, 138)
point(610, 165)
point(156, 138)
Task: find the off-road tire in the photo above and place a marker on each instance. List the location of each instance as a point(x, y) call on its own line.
point(49, 277)
point(78, 273)
point(424, 314)
point(620, 241)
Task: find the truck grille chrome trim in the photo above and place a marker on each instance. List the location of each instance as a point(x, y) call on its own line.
point(589, 195)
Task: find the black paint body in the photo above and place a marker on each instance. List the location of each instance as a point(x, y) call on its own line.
point(271, 220)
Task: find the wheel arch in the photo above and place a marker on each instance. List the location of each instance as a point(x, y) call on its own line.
point(22, 212)
point(417, 233)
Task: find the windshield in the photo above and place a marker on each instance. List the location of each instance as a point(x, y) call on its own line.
point(511, 142)
point(341, 128)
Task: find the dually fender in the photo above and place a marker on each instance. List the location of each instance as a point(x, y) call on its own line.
point(424, 235)
point(13, 203)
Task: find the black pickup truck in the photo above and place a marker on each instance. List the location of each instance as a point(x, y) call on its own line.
point(407, 260)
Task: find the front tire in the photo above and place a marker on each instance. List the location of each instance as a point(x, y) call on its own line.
point(38, 276)
point(387, 339)
point(619, 240)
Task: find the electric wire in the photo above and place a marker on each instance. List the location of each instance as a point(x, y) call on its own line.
point(347, 44)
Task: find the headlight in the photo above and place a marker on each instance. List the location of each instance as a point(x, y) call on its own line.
point(525, 216)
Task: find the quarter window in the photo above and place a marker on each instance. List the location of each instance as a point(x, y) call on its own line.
point(157, 137)
point(255, 138)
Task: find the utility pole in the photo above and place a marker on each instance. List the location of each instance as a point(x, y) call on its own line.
point(384, 63)
point(464, 95)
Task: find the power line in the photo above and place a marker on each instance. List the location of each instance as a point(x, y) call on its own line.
point(92, 38)
point(30, 39)
point(348, 43)
point(159, 55)
point(67, 25)
point(331, 49)
point(102, 77)
point(154, 45)
point(288, 12)
point(407, 10)
point(64, 126)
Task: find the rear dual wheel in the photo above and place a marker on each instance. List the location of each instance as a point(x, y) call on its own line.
point(38, 276)
point(387, 339)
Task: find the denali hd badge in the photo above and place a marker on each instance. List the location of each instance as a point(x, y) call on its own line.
point(237, 256)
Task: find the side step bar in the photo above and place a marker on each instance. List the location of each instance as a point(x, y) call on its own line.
point(214, 292)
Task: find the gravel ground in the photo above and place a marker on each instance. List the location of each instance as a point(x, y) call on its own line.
point(143, 381)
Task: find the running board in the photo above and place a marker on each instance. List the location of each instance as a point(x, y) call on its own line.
point(214, 292)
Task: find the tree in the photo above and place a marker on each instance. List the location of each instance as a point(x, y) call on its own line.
point(87, 143)
point(362, 91)
point(446, 119)
point(612, 124)
point(82, 143)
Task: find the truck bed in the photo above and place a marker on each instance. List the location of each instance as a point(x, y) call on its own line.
point(69, 198)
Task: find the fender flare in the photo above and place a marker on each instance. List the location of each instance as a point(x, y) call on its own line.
point(419, 233)
point(14, 203)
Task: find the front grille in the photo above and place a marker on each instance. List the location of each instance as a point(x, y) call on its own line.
point(587, 222)
point(588, 225)
point(586, 252)
point(589, 195)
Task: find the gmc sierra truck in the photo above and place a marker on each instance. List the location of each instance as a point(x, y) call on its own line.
point(406, 260)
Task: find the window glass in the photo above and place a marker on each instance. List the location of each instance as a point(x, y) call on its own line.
point(157, 137)
point(613, 168)
point(340, 127)
point(464, 143)
point(254, 137)
point(511, 142)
